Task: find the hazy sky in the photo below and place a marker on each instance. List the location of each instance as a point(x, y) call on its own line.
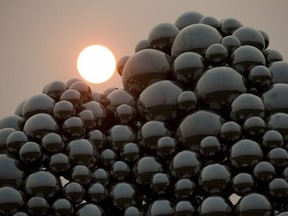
point(40, 40)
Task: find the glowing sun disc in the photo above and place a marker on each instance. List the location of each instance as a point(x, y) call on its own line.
point(96, 64)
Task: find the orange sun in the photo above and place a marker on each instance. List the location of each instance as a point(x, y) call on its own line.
point(96, 64)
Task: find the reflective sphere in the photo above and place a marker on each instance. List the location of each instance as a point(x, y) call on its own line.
point(185, 164)
point(229, 25)
point(196, 38)
point(145, 168)
point(231, 131)
point(246, 57)
point(272, 139)
point(55, 89)
point(260, 76)
point(240, 158)
point(30, 152)
point(15, 141)
point(272, 56)
point(11, 173)
point(80, 174)
point(186, 101)
point(40, 103)
point(141, 45)
point(119, 97)
point(184, 208)
point(216, 54)
point(82, 152)
point(4, 134)
point(73, 128)
point(196, 126)
point(250, 36)
point(132, 211)
point(160, 207)
point(84, 90)
point(188, 18)
point(264, 171)
point(243, 183)
point(97, 193)
point(231, 43)
point(210, 146)
point(184, 188)
point(247, 205)
point(278, 157)
point(11, 201)
point(279, 72)
point(97, 138)
point(123, 195)
point(162, 36)
point(89, 209)
point(215, 178)
point(38, 125)
point(130, 152)
point(59, 163)
point(278, 121)
point(126, 114)
point(273, 99)
point(209, 20)
point(245, 106)
point(150, 132)
point(144, 68)
point(100, 176)
point(120, 171)
point(254, 126)
point(43, 184)
point(88, 119)
point(160, 183)
point(187, 68)
point(213, 204)
point(12, 121)
point(63, 110)
point(278, 188)
point(72, 96)
point(52, 143)
point(74, 192)
point(37, 206)
point(62, 207)
point(219, 86)
point(166, 146)
point(119, 135)
point(163, 107)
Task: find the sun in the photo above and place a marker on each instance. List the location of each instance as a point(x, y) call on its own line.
point(96, 64)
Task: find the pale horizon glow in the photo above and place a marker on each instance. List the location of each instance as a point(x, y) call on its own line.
point(96, 64)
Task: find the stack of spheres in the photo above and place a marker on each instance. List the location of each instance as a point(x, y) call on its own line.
point(200, 127)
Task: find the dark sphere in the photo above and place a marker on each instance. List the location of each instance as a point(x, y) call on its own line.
point(196, 38)
point(216, 54)
point(187, 68)
point(188, 18)
point(151, 108)
point(250, 36)
point(144, 68)
point(196, 126)
point(229, 25)
point(162, 36)
point(11, 201)
point(246, 57)
point(219, 86)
